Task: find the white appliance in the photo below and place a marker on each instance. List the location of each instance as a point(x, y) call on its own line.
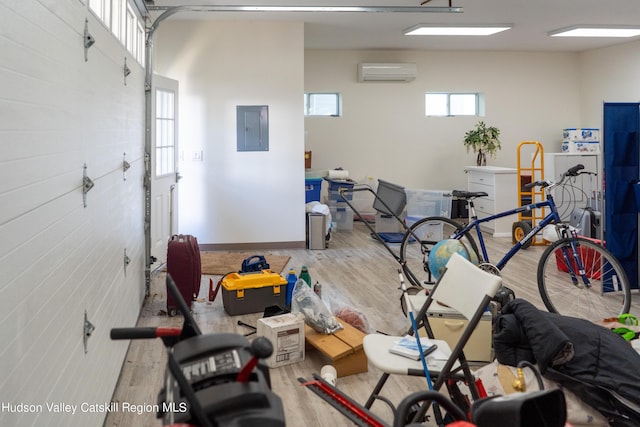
point(397, 72)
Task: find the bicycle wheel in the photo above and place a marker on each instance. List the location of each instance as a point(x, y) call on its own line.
point(606, 292)
point(418, 241)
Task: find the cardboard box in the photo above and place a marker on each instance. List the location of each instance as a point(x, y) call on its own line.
point(244, 293)
point(581, 134)
point(580, 146)
point(286, 333)
point(448, 325)
point(343, 349)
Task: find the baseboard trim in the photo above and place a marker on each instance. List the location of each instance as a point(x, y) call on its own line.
point(251, 246)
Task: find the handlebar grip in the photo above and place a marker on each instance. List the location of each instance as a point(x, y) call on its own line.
point(133, 333)
point(541, 184)
point(574, 170)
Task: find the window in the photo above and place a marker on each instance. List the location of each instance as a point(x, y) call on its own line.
point(97, 7)
point(130, 23)
point(116, 18)
point(120, 17)
point(165, 132)
point(322, 104)
point(454, 104)
point(141, 44)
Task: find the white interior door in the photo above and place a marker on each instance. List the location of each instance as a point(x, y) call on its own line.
point(164, 166)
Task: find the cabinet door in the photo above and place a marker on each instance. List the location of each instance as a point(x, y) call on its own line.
point(485, 206)
point(500, 185)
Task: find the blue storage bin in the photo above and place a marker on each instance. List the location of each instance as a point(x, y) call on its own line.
point(335, 185)
point(338, 184)
point(312, 188)
point(335, 196)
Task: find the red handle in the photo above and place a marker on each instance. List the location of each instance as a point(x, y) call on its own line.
point(168, 332)
point(245, 372)
point(212, 293)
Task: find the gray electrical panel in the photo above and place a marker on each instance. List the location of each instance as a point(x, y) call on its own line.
point(252, 123)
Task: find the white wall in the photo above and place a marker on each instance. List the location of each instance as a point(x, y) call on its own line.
point(232, 197)
point(384, 132)
point(608, 75)
point(59, 258)
point(237, 197)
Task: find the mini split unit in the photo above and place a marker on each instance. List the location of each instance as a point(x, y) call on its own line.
point(387, 72)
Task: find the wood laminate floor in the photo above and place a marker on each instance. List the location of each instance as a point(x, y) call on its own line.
point(355, 270)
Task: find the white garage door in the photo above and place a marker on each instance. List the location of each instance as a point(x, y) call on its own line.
point(62, 254)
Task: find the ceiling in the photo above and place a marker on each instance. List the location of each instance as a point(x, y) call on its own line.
point(531, 21)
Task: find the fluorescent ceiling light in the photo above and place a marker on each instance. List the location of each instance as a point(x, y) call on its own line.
point(455, 30)
point(307, 8)
point(593, 31)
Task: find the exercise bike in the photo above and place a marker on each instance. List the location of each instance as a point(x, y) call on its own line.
point(211, 379)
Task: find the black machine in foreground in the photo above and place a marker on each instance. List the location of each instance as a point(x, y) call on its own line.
point(542, 408)
point(212, 379)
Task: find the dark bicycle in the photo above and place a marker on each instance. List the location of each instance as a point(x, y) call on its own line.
point(576, 276)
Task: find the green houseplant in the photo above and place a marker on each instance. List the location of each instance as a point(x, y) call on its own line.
point(483, 140)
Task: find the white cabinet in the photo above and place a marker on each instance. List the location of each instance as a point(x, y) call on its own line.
point(577, 190)
point(501, 186)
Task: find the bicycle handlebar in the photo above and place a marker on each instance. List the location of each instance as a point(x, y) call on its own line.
point(571, 172)
point(574, 170)
point(530, 185)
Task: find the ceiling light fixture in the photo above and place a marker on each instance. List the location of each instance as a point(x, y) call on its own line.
point(596, 31)
point(455, 30)
point(306, 8)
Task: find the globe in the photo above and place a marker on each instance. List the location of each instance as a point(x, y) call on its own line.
point(442, 251)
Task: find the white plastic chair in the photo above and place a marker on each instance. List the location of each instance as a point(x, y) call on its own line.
point(463, 287)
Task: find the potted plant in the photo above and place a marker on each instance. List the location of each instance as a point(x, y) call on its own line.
point(483, 140)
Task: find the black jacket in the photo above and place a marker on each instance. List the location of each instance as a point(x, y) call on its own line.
point(599, 366)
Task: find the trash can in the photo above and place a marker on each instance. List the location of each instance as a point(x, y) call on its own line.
point(316, 230)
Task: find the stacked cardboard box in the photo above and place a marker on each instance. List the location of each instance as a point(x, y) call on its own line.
point(581, 140)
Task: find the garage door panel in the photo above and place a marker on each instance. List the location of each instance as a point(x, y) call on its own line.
point(21, 201)
point(59, 258)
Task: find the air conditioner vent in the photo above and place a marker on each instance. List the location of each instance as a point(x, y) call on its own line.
point(389, 72)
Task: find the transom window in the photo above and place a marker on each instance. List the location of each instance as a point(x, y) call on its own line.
point(453, 104)
point(322, 104)
point(124, 22)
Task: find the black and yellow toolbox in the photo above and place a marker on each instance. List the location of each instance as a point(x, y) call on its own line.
point(244, 293)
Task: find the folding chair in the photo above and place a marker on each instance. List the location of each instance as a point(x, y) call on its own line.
point(463, 287)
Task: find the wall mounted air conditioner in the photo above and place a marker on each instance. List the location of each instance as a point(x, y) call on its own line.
point(388, 72)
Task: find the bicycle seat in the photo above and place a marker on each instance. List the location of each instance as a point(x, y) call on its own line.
point(468, 195)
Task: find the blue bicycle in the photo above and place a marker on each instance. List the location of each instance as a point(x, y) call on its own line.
point(576, 276)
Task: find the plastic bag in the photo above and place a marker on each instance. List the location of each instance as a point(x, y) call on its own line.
point(316, 314)
point(353, 317)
